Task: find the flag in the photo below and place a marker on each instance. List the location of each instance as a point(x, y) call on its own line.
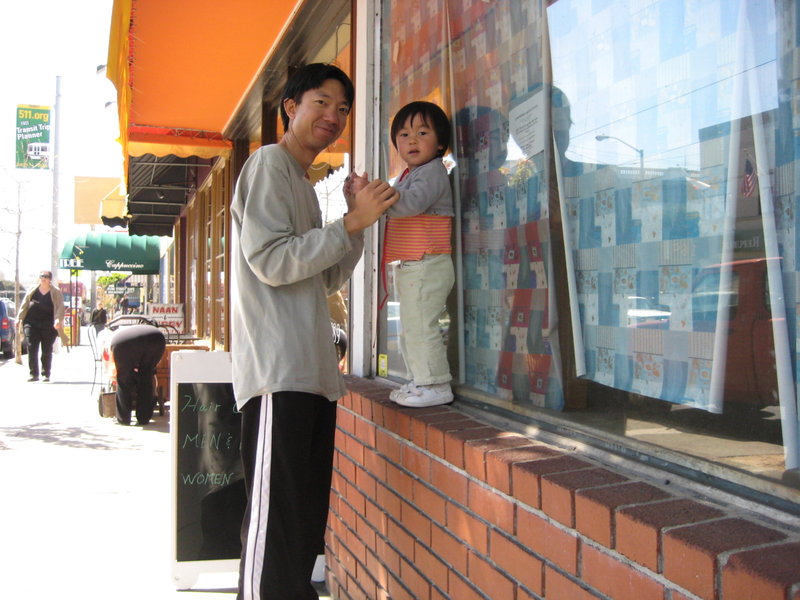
point(749, 179)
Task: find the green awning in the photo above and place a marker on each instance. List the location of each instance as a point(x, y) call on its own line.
point(137, 254)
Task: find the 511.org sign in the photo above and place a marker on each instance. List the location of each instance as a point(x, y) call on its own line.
point(33, 137)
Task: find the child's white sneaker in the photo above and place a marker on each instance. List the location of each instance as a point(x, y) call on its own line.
point(401, 391)
point(421, 396)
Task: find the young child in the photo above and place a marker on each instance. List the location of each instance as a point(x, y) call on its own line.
point(417, 235)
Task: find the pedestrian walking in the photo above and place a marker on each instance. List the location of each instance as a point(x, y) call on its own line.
point(42, 318)
point(99, 317)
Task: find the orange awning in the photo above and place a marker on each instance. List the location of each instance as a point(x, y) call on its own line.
point(98, 197)
point(182, 67)
point(176, 143)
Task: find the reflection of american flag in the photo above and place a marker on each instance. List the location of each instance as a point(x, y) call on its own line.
point(749, 179)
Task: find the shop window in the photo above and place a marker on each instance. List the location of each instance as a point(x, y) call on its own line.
point(206, 233)
point(625, 184)
point(669, 170)
point(414, 54)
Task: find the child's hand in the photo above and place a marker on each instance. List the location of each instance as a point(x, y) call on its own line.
point(352, 185)
point(368, 205)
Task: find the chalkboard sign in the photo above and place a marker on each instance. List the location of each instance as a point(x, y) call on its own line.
point(208, 486)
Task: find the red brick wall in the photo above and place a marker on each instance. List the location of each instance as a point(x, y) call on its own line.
point(430, 504)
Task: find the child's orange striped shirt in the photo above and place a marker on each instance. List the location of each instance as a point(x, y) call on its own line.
point(411, 238)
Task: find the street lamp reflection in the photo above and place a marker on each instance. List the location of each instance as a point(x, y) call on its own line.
point(639, 151)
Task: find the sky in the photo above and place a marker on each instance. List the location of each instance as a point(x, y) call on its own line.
point(40, 42)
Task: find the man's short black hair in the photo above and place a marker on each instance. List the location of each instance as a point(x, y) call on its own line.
point(434, 116)
point(311, 77)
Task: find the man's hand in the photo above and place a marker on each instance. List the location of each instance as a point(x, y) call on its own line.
point(368, 205)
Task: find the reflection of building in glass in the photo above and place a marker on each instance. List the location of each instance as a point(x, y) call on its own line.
point(641, 237)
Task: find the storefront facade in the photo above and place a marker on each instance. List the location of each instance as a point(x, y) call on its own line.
point(622, 334)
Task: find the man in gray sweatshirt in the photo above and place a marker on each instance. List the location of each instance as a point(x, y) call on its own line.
point(286, 380)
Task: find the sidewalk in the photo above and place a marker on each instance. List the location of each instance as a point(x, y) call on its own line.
point(84, 503)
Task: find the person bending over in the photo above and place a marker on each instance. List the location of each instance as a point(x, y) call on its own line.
point(136, 350)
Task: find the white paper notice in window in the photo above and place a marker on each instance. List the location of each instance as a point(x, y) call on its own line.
point(526, 124)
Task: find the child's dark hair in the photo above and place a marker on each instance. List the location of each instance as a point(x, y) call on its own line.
point(311, 77)
point(431, 114)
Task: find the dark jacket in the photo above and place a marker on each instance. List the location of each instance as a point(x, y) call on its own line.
point(99, 316)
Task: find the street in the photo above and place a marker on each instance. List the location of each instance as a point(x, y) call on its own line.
point(85, 503)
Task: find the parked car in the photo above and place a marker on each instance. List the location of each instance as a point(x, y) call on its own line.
point(8, 327)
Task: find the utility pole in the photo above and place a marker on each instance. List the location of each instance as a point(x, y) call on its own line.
point(54, 251)
point(18, 235)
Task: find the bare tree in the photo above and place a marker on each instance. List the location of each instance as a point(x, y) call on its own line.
point(12, 226)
